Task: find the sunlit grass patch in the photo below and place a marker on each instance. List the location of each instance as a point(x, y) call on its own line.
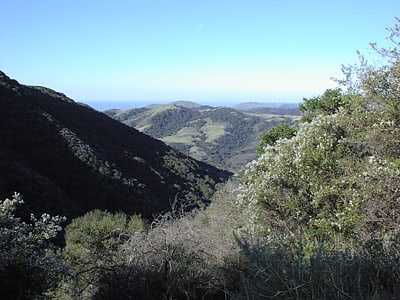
point(213, 131)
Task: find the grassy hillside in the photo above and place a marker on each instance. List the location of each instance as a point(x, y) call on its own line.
point(221, 136)
point(67, 158)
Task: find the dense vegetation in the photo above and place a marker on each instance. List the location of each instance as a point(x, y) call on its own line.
point(315, 216)
point(29, 265)
point(281, 131)
point(222, 136)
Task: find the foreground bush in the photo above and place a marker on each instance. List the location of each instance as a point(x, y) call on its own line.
point(92, 249)
point(29, 265)
point(175, 260)
point(337, 179)
point(333, 187)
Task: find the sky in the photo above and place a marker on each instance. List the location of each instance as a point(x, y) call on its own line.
point(210, 52)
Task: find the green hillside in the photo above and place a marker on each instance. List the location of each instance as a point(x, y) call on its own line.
point(221, 136)
point(68, 159)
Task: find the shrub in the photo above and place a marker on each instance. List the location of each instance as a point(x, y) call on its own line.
point(183, 256)
point(93, 243)
point(29, 265)
point(333, 187)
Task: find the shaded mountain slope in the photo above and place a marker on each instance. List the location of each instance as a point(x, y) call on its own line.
point(221, 136)
point(66, 158)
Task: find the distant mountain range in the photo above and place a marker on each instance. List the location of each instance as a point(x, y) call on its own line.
point(66, 158)
point(222, 136)
point(253, 105)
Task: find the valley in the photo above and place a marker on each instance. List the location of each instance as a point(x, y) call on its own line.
point(222, 136)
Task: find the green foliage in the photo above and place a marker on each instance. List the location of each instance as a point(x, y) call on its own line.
point(92, 245)
point(328, 179)
point(336, 180)
point(282, 131)
point(327, 103)
point(29, 265)
point(137, 224)
point(96, 231)
point(88, 156)
point(182, 256)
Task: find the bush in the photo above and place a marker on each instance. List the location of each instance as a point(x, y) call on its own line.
point(29, 265)
point(92, 249)
point(333, 187)
point(184, 256)
point(335, 180)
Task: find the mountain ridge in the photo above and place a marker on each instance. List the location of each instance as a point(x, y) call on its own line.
point(67, 158)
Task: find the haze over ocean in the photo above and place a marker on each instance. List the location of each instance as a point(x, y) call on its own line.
point(222, 52)
point(105, 105)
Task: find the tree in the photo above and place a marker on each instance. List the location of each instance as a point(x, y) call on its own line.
point(328, 103)
point(29, 265)
point(282, 131)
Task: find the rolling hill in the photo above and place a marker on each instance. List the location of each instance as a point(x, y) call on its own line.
point(222, 136)
point(66, 158)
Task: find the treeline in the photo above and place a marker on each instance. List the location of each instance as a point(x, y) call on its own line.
point(171, 121)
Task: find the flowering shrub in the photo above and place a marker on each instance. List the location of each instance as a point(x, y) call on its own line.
point(337, 179)
point(28, 264)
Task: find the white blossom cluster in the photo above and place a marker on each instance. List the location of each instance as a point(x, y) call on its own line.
point(27, 246)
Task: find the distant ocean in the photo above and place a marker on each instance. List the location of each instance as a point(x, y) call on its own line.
point(105, 105)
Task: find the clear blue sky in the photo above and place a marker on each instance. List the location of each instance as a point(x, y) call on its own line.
point(206, 51)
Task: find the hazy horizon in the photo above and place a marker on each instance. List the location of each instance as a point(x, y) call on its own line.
point(105, 105)
point(205, 52)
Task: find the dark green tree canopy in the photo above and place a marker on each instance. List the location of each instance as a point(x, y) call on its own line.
point(328, 103)
point(281, 131)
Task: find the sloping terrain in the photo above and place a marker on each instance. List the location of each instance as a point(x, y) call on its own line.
point(221, 136)
point(67, 159)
